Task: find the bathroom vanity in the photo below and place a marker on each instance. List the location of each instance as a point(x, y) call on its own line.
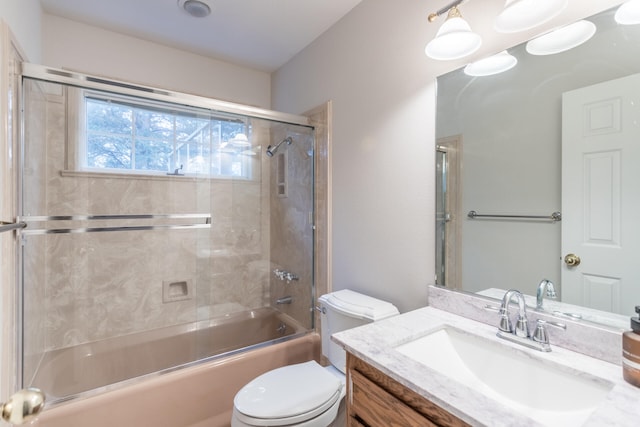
point(412, 369)
point(379, 400)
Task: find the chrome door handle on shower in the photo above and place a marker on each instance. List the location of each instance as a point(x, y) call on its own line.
point(10, 226)
point(23, 406)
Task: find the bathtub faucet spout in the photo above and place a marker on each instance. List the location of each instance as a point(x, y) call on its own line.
point(284, 300)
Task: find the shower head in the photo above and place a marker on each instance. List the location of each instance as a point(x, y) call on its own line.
point(271, 150)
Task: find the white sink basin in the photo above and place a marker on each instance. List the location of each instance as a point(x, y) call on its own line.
point(547, 392)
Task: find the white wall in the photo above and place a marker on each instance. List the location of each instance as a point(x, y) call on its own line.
point(24, 17)
point(89, 49)
point(372, 66)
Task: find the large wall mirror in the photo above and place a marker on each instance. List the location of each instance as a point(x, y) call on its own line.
point(547, 156)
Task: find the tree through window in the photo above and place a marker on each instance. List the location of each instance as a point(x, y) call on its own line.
point(151, 137)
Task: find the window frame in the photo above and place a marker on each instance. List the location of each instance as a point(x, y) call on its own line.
point(76, 159)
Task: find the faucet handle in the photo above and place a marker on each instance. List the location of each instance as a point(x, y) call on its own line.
point(505, 323)
point(541, 335)
point(554, 324)
point(493, 308)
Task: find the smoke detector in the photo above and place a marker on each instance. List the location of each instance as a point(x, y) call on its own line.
point(196, 8)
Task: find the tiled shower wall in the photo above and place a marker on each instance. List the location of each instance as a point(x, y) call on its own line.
point(292, 223)
point(90, 286)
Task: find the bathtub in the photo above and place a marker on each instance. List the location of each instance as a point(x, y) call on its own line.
point(195, 394)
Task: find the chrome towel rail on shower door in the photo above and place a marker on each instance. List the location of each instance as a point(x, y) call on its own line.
point(206, 218)
point(555, 216)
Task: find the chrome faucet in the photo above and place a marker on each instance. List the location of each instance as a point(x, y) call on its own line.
point(522, 328)
point(279, 273)
point(285, 275)
point(520, 334)
point(284, 300)
point(545, 288)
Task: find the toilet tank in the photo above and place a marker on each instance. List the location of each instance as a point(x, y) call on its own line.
point(346, 309)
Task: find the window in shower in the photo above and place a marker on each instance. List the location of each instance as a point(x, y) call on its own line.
point(118, 134)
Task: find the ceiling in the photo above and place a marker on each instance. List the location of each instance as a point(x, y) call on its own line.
point(261, 34)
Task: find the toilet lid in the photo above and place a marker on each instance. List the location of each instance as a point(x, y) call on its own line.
point(358, 305)
point(288, 392)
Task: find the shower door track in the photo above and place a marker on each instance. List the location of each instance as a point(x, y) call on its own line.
point(43, 73)
point(24, 222)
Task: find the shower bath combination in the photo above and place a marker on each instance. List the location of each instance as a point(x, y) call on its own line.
point(271, 150)
point(114, 287)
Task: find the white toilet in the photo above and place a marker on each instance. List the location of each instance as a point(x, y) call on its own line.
point(307, 394)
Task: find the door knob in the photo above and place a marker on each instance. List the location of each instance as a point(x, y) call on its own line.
point(22, 406)
point(572, 260)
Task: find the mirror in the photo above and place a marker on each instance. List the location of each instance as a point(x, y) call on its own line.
point(500, 152)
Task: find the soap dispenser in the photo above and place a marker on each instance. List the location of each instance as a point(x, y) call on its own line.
point(631, 352)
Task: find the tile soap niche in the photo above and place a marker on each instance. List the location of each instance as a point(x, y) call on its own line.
point(281, 174)
point(176, 290)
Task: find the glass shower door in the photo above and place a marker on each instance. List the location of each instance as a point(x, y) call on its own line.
point(151, 226)
point(448, 217)
point(107, 253)
point(441, 215)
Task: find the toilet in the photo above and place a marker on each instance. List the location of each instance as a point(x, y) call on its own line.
point(308, 394)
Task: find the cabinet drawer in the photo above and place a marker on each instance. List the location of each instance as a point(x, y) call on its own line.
point(377, 408)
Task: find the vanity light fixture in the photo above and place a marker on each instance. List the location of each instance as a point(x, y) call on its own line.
point(454, 39)
point(628, 13)
point(520, 15)
point(562, 39)
point(495, 64)
point(196, 8)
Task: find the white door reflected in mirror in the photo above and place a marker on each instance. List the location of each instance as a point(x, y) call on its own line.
point(600, 134)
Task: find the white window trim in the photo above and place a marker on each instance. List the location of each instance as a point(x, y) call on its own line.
point(76, 146)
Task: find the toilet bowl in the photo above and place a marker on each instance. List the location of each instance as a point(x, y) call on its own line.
point(308, 394)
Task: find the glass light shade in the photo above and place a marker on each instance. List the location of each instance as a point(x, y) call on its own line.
point(562, 39)
point(498, 63)
point(454, 40)
point(628, 13)
point(520, 15)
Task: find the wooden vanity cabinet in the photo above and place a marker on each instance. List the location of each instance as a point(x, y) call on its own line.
point(376, 400)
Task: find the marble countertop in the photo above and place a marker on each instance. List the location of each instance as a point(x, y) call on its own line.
point(375, 344)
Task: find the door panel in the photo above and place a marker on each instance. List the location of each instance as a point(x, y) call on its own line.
point(600, 201)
